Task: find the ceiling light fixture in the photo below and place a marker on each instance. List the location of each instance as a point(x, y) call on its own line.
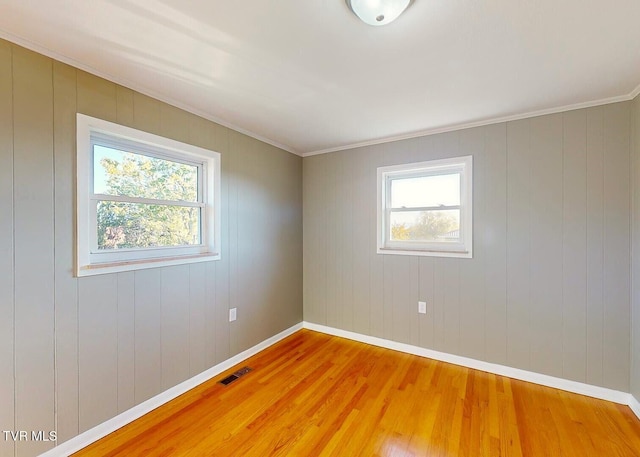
point(378, 12)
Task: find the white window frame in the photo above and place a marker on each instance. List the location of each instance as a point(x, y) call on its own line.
point(90, 261)
point(461, 165)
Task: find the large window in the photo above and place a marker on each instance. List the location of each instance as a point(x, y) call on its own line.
point(143, 200)
point(426, 208)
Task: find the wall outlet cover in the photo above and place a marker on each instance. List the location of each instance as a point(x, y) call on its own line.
point(422, 307)
point(232, 314)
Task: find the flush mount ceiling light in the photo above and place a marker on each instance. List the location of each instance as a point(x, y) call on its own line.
point(378, 12)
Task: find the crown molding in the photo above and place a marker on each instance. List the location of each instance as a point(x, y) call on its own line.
point(389, 139)
point(635, 92)
point(32, 46)
point(490, 121)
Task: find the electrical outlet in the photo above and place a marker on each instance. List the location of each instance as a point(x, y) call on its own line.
point(422, 307)
point(232, 314)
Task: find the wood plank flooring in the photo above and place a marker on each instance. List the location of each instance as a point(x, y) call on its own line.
point(317, 395)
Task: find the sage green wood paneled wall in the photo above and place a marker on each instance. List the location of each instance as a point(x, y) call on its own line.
point(76, 352)
point(548, 288)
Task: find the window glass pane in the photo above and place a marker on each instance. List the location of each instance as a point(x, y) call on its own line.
point(135, 175)
point(135, 225)
point(426, 191)
point(438, 226)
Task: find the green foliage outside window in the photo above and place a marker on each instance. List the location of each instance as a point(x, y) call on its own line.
point(429, 226)
point(143, 225)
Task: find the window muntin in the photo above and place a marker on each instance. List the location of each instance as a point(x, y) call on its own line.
point(143, 200)
point(425, 208)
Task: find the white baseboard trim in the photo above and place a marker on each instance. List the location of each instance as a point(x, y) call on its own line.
point(602, 393)
point(99, 431)
point(634, 405)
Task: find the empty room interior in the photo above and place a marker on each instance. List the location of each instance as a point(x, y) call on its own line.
point(330, 228)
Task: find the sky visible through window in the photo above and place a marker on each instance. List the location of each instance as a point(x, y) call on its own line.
point(425, 191)
point(99, 173)
point(184, 176)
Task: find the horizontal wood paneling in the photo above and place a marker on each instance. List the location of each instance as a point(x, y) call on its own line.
point(88, 349)
point(548, 287)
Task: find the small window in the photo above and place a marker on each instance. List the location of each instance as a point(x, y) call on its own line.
point(425, 208)
point(143, 200)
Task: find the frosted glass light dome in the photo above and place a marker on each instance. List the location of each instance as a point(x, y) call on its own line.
point(378, 12)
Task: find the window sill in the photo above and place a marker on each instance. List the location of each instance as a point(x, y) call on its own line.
point(130, 265)
point(426, 252)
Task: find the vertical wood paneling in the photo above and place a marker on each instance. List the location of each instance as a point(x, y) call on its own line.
point(451, 305)
point(283, 226)
point(635, 244)
point(210, 318)
point(34, 245)
point(426, 294)
point(494, 237)
point(148, 328)
point(363, 243)
point(472, 283)
point(376, 261)
point(96, 97)
point(97, 349)
point(426, 286)
point(66, 287)
point(344, 243)
point(400, 307)
point(314, 261)
point(518, 244)
point(448, 145)
point(595, 245)
point(242, 225)
point(124, 106)
point(147, 287)
point(126, 290)
point(331, 234)
point(7, 410)
point(87, 349)
point(574, 261)
point(221, 301)
point(541, 292)
point(146, 113)
point(389, 264)
point(546, 244)
point(126, 340)
point(438, 304)
point(235, 184)
point(197, 319)
point(174, 300)
point(261, 319)
point(339, 240)
point(97, 317)
point(616, 246)
point(202, 277)
point(174, 123)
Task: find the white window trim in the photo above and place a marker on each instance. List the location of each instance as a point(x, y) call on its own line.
point(90, 263)
point(462, 250)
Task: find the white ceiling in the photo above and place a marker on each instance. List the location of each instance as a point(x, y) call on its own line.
point(308, 76)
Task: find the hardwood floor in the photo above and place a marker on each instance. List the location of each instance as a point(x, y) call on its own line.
point(318, 395)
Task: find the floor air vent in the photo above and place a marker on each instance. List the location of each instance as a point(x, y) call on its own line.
point(229, 379)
